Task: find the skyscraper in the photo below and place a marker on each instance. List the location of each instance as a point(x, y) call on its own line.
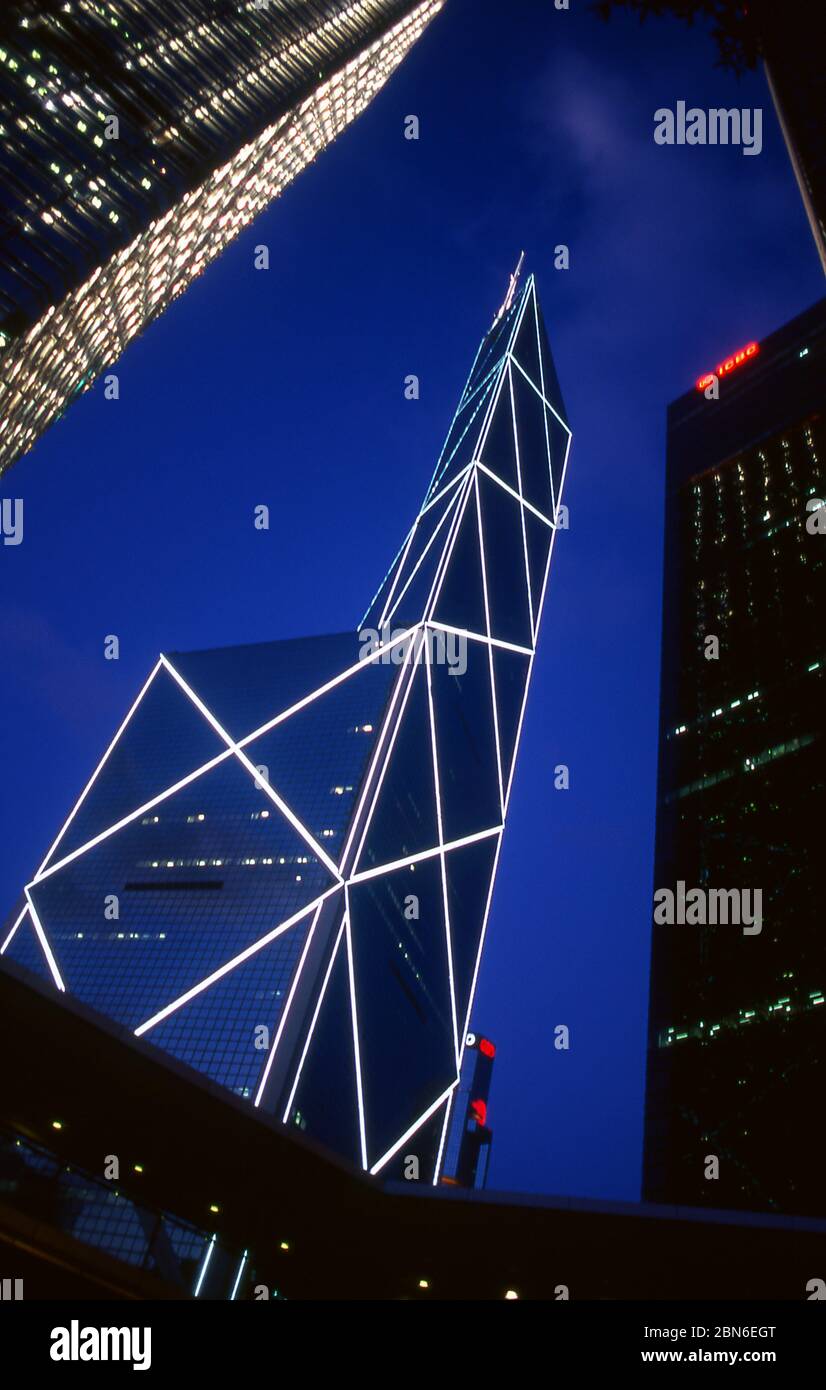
point(137, 139)
point(737, 1041)
point(281, 870)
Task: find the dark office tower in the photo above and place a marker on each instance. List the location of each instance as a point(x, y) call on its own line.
point(137, 138)
point(469, 1136)
point(281, 870)
point(737, 1045)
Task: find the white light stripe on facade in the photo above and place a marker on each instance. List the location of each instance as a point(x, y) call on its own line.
point(133, 815)
point(480, 947)
point(238, 1276)
point(351, 972)
point(261, 783)
point(47, 950)
point(442, 567)
point(481, 637)
point(384, 744)
point(437, 1167)
point(448, 940)
point(422, 855)
point(205, 1266)
point(360, 665)
point(262, 1085)
point(490, 649)
point(388, 615)
point(411, 660)
point(229, 965)
point(93, 777)
point(540, 516)
point(311, 1029)
point(13, 931)
point(522, 508)
point(431, 1110)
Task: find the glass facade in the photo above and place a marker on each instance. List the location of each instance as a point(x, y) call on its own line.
point(736, 1036)
point(137, 139)
point(281, 871)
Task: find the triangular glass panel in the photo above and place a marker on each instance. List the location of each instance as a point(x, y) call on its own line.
point(423, 1145)
point(551, 389)
point(316, 758)
point(468, 871)
point(526, 345)
point(507, 580)
point(415, 582)
point(461, 601)
point(510, 672)
point(498, 448)
point(538, 537)
point(325, 1105)
point(461, 445)
point(402, 998)
point(559, 439)
point(247, 686)
point(466, 746)
point(215, 1032)
point(404, 820)
point(203, 876)
point(25, 949)
point(166, 739)
point(533, 445)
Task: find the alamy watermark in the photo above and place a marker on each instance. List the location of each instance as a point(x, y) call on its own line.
point(700, 907)
point(439, 648)
point(717, 126)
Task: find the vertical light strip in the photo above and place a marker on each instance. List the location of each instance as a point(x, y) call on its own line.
point(311, 1030)
point(285, 1011)
point(448, 938)
point(204, 1266)
point(490, 648)
point(356, 1048)
point(238, 1276)
point(448, 1112)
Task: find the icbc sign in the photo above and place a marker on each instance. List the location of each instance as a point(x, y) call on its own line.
point(723, 368)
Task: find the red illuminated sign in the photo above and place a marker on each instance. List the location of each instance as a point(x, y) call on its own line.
point(479, 1111)
point(723, 368)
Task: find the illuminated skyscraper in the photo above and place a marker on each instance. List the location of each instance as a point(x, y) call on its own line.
point(738, 1018)
point(137, 139)
point(281, 871)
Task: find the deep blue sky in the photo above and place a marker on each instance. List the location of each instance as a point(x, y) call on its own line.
point(389, 257)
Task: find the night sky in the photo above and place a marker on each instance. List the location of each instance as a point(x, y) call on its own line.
point(389, 257)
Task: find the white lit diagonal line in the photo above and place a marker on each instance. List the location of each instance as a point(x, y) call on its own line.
point(262, 783)
point(13, 931)
point(311, 1028)
point(93, 777)
point(47, 950)
point(288, 1003)
point(431, 1110)
point(230, 965)
point(133, 815)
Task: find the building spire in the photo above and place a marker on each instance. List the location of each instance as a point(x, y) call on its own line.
point(514, 280)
